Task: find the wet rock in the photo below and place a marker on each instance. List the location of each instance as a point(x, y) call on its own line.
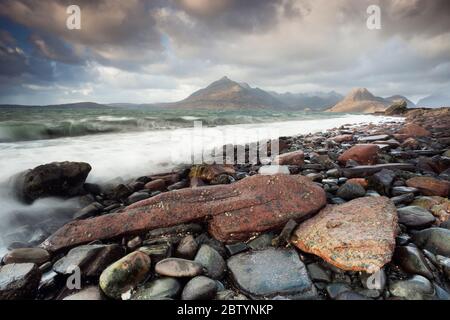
point(178, 268)
point(229, 295)
point(286, 276)
point(121, 192)
point(350, 191)
point(157, 252)
point(199, 288)
point(358, 235)
point(236, 248)
point(436, 240)
point(365, 154)
point(351, 295)
point(187, 248)
point(90, 259)
point(89, 211)
point(274, 169)
point(262, 242)
point(89, 293)
point(361, 181)
point(335, 289)
point(375, 281)
point(209, 172)
point(398, 108)
point(382, 181)
point(158, 289)
point(369, 139)
point(411, 260)
point(222, 179)
point(414, 130)
point(342, 138)
point(156, 185)
point(318, 273)
point(416, 288)
point(57, 179)
point(237, 211)
point(406, 198)
point(124, 274)
point(19, 281)
point(415, 217)
point(364, 171)
point(430, 186)
point(444, 263)
point(398, 191)
point(138, 196)
point(438, 206)
point(212, 261)
point(295, 158)
point(285, 234)
point(27, 255)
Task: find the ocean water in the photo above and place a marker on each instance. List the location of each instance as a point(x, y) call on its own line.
point(126, 143)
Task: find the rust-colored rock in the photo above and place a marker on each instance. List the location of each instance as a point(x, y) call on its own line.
point(342, 138)
point(235, 211)
point(356, 236)
point(156, 185)
point(365, 154)
point(361, 181)
point(295, 158)
point(430, 186)
point(209, 172)
point(414, 130)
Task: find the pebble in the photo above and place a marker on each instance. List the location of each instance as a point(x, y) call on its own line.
point(415, 217)
point(178, 268)
point(436, 240)
point(187, 248)
point(199, 288)
point(212, 261)
point(416, 288)
point(274, 169)
point(411, 260)
point(157, 289)
point(27, 255)
point(19, 281)
point(350, 191)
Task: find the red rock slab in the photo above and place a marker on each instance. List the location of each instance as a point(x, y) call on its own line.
point(365, 154)
point(356, 236)
point(235, 211)
point(430, 186)
point(295, 158)
point(414, 130)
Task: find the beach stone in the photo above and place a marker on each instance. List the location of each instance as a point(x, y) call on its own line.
point(90, 259)
point(415, 217)
point(375, 281)
point(364, 154)
point(212, 261)
point(263, 241)
point(235, 248)
point(89, 211)
point(435, 240)
point(156, 185)
point(89, 293)
point(285, 235)
point(361, 181)
point(187, 248)
point(294, 158)
point(430, 186)
point(157, 289)
point(350, 191)
point(157, 252)
point(229, 295)
point(274, 169)
point(318, 273)
point(444, 262)
point(19, 281)
point(438, 206)
point(234, 212)
point(27, 255)
point(351, 295)
point(411, 260)
point(342, 138)
point(356, 236)
point(335, 289)
point(398, 191)
point(404, 199)
point(124, 274)
point(138, 196)
point(209, 172)
point(416, 288)
point(57, 179)
point(286, 276)
point(414, 130)
point(382, 181)
point(380, 137)
point(199, 288)
point(178, 268)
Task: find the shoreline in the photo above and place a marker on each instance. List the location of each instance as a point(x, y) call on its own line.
point(397, 167)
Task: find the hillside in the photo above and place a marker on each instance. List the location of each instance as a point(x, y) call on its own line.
point(361, 100)
point(314, 101)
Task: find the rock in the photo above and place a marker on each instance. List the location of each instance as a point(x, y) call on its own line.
point(222, 179)
point(414, 130)
point(285, 234)
point(364, 171)
point(212, 261)
point(229, 295)
point(178, 268)
point(262, 242)
point(138, 196)
point(361, 181)
point(350, 191)
point(199, 288)
point(234, 212)
point(57, 179)
point(415, 217)
point(286, 275)
point(27, 255)
point(121, 192)
point(89, 211)
point(358, 235)
point(382, 181)
point(369, 139)
point(411, 260)
point(236, 248)
point(90, 259)
point(318, 273)
point(19, 281)
point(158, 289)
point(209, 172)
point(274, 169)
point(157, 252)
point(406, 198)
point(342, 138)
point(397, 108)
point(375, 281)
point(335, 289)
point(398, 191)
point(187, 248)
point(351, 295)
point(365, 154)
point(416, 288)
point(134, 243)
point(436, 240)
point(430, 186)
point(124, 274)
point(89, 293)
point(295, 158)
point(156, 185)
point(444, 263)
point(438, 206)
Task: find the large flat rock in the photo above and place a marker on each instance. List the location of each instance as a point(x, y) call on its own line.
point(236, 211)
point(270, 273)
point(358, 235)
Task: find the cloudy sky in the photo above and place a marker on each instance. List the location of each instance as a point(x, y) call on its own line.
point(153, 51)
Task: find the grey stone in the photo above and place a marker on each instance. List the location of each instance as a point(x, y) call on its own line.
point(187, 248)
point(89, 293)
point(411, 260)
point(415, 217)
point(19, 281)
point(179, 268)
point(27, 255)
point(212, 261)
point(416, 288)
point(436, 240)
point(199, 288)
point(349, 191)
point(159, 288)
point(318, 273)
point(335, 289)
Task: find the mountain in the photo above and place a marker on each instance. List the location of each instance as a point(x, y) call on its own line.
point(77, 105)
point(397, 98)
point(435, 101)
point(313, 101)
point(361, 100)
point(228, 94)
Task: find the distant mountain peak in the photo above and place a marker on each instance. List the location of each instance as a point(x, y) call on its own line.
point(360, 94)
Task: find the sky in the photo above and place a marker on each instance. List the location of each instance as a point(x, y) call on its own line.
point(138, 51)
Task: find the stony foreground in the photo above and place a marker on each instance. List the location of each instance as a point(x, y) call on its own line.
point(355, 213)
